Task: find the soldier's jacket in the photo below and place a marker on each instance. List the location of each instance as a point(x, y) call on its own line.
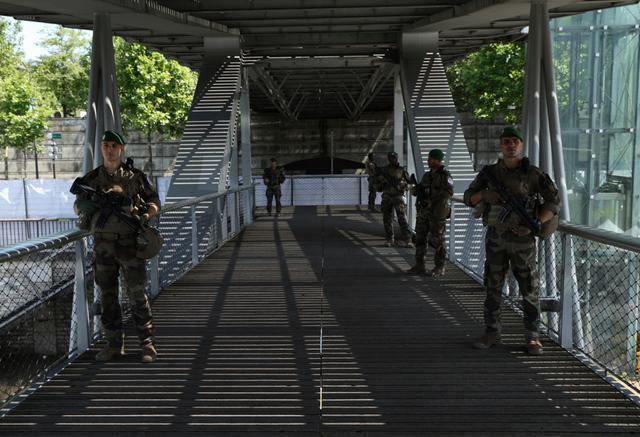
point(129, 183)
point(273, 178)
point(438, 186)
point(371, 169)
point(392, 180)
point(532, 185)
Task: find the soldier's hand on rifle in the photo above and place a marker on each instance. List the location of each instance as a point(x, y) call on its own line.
point(491, 197)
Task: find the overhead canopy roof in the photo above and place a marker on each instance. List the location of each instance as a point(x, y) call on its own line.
point(304, 28)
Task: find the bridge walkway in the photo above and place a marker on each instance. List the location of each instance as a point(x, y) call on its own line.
point(305, 325)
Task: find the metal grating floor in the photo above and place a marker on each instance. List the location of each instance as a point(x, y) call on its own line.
point(306, 325)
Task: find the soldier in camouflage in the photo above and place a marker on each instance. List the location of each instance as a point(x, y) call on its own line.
point(433, 195)
point(273, 177)
point(115, 244)
point(393, 181)
point(372, 168)
point(509, 242)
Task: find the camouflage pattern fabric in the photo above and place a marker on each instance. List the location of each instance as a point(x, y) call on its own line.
point(393, 181)
point(433, 213)
point(271, 193)
point(273, 178)
point(115, 251)
point(509, 243)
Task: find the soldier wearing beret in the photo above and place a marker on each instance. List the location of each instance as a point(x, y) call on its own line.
point(509, 242)
point(393, 181)
point(131, 198)
point(433, 195)
point(273, 177)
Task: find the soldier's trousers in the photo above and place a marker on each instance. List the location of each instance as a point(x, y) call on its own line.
point(116, 254)
point(271, 193)
point(430, 231)
point(503, 249)
point(372, 196)
point(388, 205)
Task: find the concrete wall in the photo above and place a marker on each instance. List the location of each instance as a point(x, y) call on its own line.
point(69, 165)
point(290, 141)
point(271, 136)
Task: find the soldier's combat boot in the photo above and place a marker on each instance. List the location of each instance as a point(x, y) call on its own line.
point(389, 242)
point(408, 244)
point(149, 353)
point(487, 340)
point(418, 269)
point(534, 347)
point(109, 352)
point(436, 272)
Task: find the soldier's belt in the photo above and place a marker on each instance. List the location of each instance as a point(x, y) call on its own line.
point(112, 236)
point(515, 229)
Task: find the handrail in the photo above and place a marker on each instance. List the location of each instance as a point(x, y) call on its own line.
point(58, 240)
point(621, 241)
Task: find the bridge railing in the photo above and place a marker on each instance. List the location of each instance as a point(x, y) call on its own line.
point(589, 285)
point(47, 296)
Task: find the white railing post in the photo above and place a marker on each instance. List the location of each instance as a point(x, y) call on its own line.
point(194, 236)
point(154, 276)
point(452, 234)
point(567, 296)
point(80, 329)
point(224, 230)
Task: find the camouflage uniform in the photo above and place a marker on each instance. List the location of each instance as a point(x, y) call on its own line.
point(115, 251)
point(393, 181)
point(433, 211)
point(372, 168)
point(273, 179)
point(508, 242)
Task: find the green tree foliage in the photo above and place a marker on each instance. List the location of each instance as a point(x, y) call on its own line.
point(10, 55)
point(490, 82)
point(23, 112)
point(64, 70)
point(155, 93)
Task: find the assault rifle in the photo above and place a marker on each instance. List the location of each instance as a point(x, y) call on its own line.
point(108, 203)
point(515, 204)
point(422, 192)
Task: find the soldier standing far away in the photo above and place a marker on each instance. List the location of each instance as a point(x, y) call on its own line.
point(433, 195)
point(273, 177)
point(510, 238)
point(371, 168)
point(393, 181)
point(129, 201)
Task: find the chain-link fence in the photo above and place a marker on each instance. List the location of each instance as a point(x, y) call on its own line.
point(589, 288)
point(47, 292)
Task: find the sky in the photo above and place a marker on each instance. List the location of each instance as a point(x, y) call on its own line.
point(32, 34)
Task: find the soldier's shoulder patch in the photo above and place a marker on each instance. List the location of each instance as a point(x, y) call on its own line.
point(450, 180)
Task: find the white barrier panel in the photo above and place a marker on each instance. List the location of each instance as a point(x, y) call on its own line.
point(12, 200)
point(49, 198)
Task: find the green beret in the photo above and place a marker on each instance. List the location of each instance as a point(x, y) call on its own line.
point(436, 154)
point(110, 135)
point(511, 132)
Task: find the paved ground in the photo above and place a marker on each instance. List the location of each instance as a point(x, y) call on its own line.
point(306, 325)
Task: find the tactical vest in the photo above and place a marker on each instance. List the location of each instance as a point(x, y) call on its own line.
point(523, 183)
point(393, 181)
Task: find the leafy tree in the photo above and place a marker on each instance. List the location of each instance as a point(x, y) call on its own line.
point(490, 82)
point(10, 54)
point(64, 71)
point(155, 93)
point(23, 113)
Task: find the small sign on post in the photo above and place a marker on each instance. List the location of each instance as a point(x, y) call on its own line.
point(56, 136)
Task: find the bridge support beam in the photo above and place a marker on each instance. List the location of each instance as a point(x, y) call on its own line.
point(543, 142)
point(103, 107)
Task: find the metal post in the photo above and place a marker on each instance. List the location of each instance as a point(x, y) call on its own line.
point(531, 109)
point(331, 142)
point(154, 276)
point(452, 233)
point(80, 330)
point(194, 237)
point(398, 119)
point(567, 296)
point(245, 128)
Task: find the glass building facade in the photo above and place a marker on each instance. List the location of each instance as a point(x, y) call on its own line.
point(596, 61)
